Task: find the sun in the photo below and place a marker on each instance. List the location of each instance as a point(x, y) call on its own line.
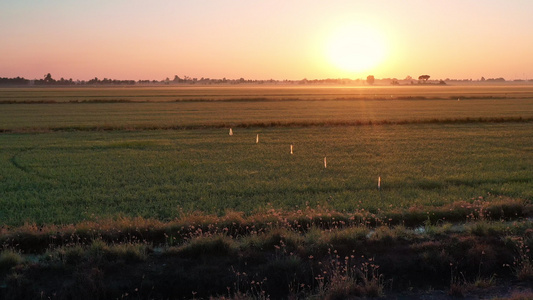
point(356, 48)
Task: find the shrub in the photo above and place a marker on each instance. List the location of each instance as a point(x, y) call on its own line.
point(216, 245)
point(347, 236)
point(277, 239)
point(73, 255)
point(9, 259)
point(129, 252)
point(482, 228)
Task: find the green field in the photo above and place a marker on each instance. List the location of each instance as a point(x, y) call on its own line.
point(65, 163)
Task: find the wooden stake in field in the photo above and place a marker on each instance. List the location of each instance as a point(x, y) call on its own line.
point(230, 131)
point(325, 163)
point(291, 149)
point(379, 189)
point(257, 139)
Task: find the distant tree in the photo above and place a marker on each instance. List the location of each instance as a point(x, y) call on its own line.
point(370, 79)
point(482, 78)
point(394, 81)
point(18, 80)
point(48, 78)
point(423, 77)
point(408, 78)
point(496, 79)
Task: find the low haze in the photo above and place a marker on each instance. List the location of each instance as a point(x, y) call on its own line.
point(268, 39)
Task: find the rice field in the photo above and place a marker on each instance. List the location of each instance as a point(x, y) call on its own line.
point(138, 116)
point(66, 163)
point(259, 92)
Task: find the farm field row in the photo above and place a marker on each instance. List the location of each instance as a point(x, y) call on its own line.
point(272, 92)
point(69, 177)
point(92, 116)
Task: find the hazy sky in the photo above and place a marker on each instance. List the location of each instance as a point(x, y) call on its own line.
point(289, 39)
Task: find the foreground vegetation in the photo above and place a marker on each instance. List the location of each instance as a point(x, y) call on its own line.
point(310, 253)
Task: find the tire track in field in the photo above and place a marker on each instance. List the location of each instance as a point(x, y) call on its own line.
point(14, 161)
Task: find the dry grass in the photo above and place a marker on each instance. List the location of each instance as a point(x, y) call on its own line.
point(328, 258)
point(267, 228)
point(517, 295)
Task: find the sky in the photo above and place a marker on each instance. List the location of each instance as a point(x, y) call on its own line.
point(288, 39)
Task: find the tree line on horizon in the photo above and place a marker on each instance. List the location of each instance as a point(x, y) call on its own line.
point(48, 80)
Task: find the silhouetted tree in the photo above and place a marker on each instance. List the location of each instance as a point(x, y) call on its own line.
point(370, 79)
point(423, 77)
point(18, 80)
point(48, 78)
point(496, 79)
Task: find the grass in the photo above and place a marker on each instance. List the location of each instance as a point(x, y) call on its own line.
point(262, 231)
point(331, 260)
point(70, 177)
point(524, 295)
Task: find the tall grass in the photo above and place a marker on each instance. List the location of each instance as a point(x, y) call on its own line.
point(332, 260)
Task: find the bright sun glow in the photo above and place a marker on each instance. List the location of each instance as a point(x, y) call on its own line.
point(356, 48)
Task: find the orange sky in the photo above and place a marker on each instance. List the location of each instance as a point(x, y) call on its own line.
point(265, 39)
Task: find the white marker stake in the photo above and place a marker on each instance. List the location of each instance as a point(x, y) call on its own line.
point(325, 162)
point(257, 139)
point(291, 149)
point(379, 189)
point(230, 132)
